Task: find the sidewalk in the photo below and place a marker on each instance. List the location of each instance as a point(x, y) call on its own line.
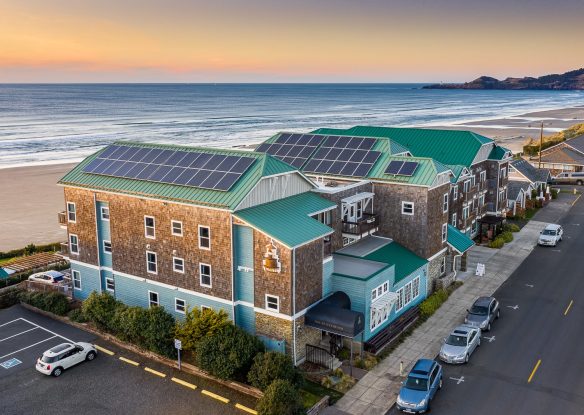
point(376, 393)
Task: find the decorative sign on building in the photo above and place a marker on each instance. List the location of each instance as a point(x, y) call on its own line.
point(271, 260)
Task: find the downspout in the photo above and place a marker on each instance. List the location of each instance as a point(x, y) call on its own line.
point(98, 244)
point(232, 269)
point(454, 265)
point(294, 305)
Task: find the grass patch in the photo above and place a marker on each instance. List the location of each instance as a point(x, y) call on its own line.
point(530, 213)
point(320, 391)
point(308, 399)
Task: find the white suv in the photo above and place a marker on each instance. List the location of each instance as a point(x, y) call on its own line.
point(551, 235)
point(64, 356)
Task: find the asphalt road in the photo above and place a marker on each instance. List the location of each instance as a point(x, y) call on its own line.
point(545, 325)
point(107, 385)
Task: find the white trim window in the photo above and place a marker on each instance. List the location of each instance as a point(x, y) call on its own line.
point(399, 304)
point(176, 228)
point(73, 244)
point(443, 266)
point(151, 262)
point(454, 217)
point(150, 227)
point(503, 172)
point(205, 308)
point(180, 305)
point(178, 264)
point(107, 247)
point(408, 293)
point(481, 200)
point(76, 277)
point(465, 212)
point(153, 299)
point(105, 213)
point(455, 192)
point(407, 208)
point(205, 275)
point(445, 203)
point(466, 186)
point(483, 176)
point(444, 232)
point(416, 287)
point(204, 237)
point(379, 291)
point(110, 285)
point(71, 212)
point(273, 303)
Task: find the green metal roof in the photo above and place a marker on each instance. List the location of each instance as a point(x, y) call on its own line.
point(458, 240)
point(424, 175)
point(393, 147)
point(446, 146)
point(404, 260)
point(498, 153)
point(288, 220)
point(265, 165)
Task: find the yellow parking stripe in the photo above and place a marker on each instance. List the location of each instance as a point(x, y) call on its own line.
point(246, 409)
point(534, 370)
point(123, 359)
point(155, 372)
point(214, 396)
point(101, 349)
point(182, 382)
point(568, 309)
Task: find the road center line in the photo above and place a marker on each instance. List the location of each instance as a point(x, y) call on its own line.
point(18, 334)
point(534, 370)
point(27, 347)
point(568, 308)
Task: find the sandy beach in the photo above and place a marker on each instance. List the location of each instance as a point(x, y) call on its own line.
point(32, 198)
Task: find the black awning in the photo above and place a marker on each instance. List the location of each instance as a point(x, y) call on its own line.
point(492, 220)
point(334, 315)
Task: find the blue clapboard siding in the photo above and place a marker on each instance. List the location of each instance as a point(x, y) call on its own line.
point(106, 274)
point(327, 272)
point(274, 345)
point(245, 318)
point(135, 293)
point(103, 234)
point(90, 281)
point(243, 263)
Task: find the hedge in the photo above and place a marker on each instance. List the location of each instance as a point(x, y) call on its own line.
point(280, 398)
point(52, 302)
point(30, 249)
point(506, 236)
point(270, 366)
point(497, 243)
point(433, 303)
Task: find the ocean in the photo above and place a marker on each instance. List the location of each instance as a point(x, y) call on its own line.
point(45, 124)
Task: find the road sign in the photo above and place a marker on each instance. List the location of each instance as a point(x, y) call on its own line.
point(178, 344)
point(10, 363)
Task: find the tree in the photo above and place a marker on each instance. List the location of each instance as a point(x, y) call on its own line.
point(159, 333)
point(280, 398)
point(229, 353)
point(198, 324)
point(100, 309)
point(270, 366)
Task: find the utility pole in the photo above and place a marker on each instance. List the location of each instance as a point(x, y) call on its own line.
point(540, 144)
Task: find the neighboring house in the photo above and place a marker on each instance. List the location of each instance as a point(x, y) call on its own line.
point(565, 156)
point(517, 193)
point(522, 170)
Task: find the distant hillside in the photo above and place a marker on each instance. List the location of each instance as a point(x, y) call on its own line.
point(573, 80)
point(531, 148)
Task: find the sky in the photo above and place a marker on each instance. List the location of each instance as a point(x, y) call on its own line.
point(286, 41)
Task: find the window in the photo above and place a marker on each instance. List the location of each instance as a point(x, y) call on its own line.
point(71, 212)
point(76, 279)
point(205, 274)
point(179, 305)
point(151, 265)
point(453, 222)
point(472, 180)
point(107, 247)
point(483, 176)
point(273, 303)
point(104, 213)
point(504, 172)
point(455, 192)
point(481, 200)
point(178, 265)
point(416, 287)
point(149, 227)
point(501, 195)
point(465, 212)
point(443, 266)
point(204, 307)
point(176, 228)
point(466, 186)
point(110, 284)
point(359, 209)
point(73, 244)
point(408, 293)
point(379, 291)
point(153, 299)
point(407, 208)
point(444, 232)
point(204, 237)
point(399, 304)
point(445, 203)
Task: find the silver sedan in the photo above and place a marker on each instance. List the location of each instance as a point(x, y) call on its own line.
point(461, 343)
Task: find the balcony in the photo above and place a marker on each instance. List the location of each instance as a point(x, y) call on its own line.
point(368, 222)
point(327, 249)
point(62, 216)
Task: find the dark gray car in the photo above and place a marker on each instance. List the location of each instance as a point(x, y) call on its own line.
point(483, 312)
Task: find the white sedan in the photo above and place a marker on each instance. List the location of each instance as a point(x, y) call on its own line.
point(55, 360)
point(551, 235)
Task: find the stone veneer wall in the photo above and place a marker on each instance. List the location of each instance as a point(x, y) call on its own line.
point(434, 271)
point(85, 226)
point(305, 335)
point(308, 274)
point(276, 328)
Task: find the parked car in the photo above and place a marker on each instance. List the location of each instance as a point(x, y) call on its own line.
point(48, 277)
point(482, 313)
point(420, 387)
point(461, 343)
point(55, 360)
point(568, 177)
point(551, 235)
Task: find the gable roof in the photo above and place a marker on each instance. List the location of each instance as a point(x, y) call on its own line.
point(288, 220)
point(446, 146)
point(530, 172)
point(499, 153)
point(515, 187)
point(264, 165)
point(577, 143)
point(563, 155)
point(458, 240)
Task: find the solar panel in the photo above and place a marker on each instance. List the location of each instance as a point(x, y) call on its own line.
point(401, 168)
point(394, 166)
point(187, 168)
point(293, 149)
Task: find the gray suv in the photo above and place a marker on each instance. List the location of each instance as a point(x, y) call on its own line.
point(482, 313)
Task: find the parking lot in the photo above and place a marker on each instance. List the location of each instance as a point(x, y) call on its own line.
point(118, 381)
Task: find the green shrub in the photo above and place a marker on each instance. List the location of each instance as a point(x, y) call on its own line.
point(198, 324)
point(159, 331)
point(497, 243)
point(52, 302)
point(132, 323)
point(100, 310)
point(280, 398)
point(344, 354)
point(229, 353)
point(511, 227)
point(432, 303)
point(555, 193)
point(10, 297)
point(77, 315)
point(506, 236)
point(270, 366)
point(22, 251)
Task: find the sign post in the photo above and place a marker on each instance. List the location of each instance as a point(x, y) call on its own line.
point(178, 346)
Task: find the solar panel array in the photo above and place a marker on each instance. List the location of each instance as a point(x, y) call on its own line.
point(401, 168)
point(186, 168)
point(293, 149)
point(344, 156)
